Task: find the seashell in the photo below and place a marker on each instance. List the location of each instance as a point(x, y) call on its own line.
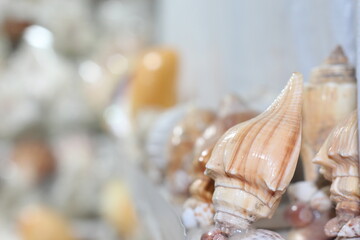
point(40, 223)
point(154, 84)
point(158, 137)
point(181, 147)
point(339, 162)
point(202, 188)
point(310, 211)
point(328, 98)
point(299, 215)
point(231, 112)
point(301, 191)
point(197, 214)
point(351, 229)
point(213, 234)
point(253, 162)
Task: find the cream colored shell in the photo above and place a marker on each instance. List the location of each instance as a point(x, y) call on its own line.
point(339, 157)
point(253, 162)
point(339, 161)
point(328, 98)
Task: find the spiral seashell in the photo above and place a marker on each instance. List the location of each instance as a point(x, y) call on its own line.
point(339, 162)
point(232, 111)
point(253, 162)
point(328, 98)
point(157, 140)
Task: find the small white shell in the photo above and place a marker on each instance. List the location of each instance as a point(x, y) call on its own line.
point(197, 214)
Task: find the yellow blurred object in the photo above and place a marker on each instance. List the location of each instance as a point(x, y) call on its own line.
point(40, 223)
point(118, 208)
point(154, 83)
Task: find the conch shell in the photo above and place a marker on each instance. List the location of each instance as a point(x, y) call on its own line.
point(253, 162)
point(198, 209)
point(328, 98)
point(339, 161)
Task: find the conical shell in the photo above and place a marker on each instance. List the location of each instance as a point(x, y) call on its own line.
point(231, 112)
point(328, 98)
point(253, 162)
point(339, 157)
point(339, 161)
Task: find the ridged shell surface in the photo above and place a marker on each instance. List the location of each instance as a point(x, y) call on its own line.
point(254, 161)
point(231, 112)
point(339, 161)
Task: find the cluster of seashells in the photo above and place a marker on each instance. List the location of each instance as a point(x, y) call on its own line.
point(241, 164)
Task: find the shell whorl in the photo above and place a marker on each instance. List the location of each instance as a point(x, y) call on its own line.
point(339, 161)
point(254, 161)
point(335, 68)
point(339, 154)
point(328, 98)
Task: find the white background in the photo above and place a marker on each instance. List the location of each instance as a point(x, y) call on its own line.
point(251, 47)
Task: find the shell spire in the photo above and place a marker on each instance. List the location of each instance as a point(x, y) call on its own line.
point(337, 56)
point(339, 155)
point(253, 162)
point(336, 68)
point(339, 161)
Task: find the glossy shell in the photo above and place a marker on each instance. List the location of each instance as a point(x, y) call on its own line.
point(253, 162)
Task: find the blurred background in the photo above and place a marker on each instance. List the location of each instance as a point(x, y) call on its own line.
point(90, 89)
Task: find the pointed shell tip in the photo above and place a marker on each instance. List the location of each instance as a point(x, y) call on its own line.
point(337, 56)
